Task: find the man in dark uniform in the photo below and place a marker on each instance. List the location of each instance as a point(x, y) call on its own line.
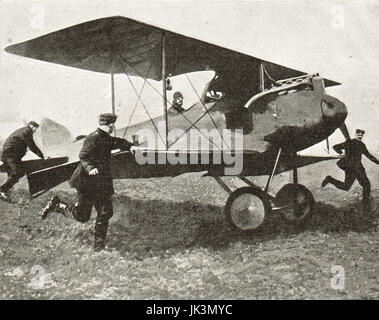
point(92, 179)
point(352, 164)
point(14, 149)
point(177, 103)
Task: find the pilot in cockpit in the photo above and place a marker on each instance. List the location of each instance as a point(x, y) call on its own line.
point(177, 103)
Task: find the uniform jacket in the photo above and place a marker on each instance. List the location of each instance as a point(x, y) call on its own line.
point(353, 154)
point(17, 143)
point(96, 153)
point(175, 109)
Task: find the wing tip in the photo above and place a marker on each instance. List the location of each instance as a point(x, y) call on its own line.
point(9, 49)
point(16, 49)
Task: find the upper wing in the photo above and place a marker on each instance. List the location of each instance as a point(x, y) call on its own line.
point(118, 44)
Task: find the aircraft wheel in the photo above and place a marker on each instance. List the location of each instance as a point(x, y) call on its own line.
point(246, 208)
point(296, 202)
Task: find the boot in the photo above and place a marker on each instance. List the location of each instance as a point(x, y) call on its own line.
point(50, 207)
point(61, 207)
point(99, 245)
point(366, 206)
point(4, 197)
point(101, 228)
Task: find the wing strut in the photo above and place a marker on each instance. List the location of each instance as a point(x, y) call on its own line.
point(261, 77)
point(135, 91)
point(164, 86)
point(273, 171)
point(113, 98)
point(122, 60)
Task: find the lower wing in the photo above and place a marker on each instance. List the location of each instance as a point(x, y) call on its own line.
point(30, 166)
point(125, 165)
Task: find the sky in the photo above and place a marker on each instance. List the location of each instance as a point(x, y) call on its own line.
point(338, 39)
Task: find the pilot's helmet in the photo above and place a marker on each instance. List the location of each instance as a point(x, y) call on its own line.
point(178, 94)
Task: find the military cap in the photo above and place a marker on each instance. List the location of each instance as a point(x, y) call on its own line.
point(107, 118)
point(33, 123)
point(178, 94)
point(360, 131)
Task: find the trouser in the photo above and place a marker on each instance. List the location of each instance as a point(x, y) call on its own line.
point(350, 176)
point(15, 172)
point(81, 211)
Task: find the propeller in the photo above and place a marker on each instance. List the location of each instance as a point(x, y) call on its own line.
point(344, 131)
point(327, 145)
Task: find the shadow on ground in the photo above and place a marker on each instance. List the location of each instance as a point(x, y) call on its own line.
point(152, 227)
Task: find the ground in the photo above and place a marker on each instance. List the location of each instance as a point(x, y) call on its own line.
point(168, 239)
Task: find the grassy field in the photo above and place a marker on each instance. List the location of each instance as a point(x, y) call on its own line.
point(168, 240)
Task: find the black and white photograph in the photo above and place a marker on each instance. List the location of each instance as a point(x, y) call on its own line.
point(202, 152)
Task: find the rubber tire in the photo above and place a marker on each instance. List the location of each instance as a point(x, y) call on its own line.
point(254, 191)
point(285, 189)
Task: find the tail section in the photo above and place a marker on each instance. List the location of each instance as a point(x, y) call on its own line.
point(53, 134)
point(43, 180)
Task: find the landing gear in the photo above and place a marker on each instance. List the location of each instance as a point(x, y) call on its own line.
point(295, 202)
point(246, 208)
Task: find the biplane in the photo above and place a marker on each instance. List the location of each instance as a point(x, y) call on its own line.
point(276, 111)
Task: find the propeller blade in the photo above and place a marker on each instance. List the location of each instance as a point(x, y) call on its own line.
point(345, 132)
point(327, 145)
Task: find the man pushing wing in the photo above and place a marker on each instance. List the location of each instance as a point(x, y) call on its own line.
point(14, 149)
point(92, 179)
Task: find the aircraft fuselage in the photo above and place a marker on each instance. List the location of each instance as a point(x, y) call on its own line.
point(294, 118)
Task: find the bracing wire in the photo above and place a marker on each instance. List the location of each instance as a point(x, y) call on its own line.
point(207, 112)
point(135, 106)
point(192, 124)
point(135, 91)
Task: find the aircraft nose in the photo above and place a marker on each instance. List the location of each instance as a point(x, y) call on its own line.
point(333, 109)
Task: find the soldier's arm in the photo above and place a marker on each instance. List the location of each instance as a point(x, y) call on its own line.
point(370, 156)
point(121, 144)
point(87, 152)
point(339, 147)
point(32, 145)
